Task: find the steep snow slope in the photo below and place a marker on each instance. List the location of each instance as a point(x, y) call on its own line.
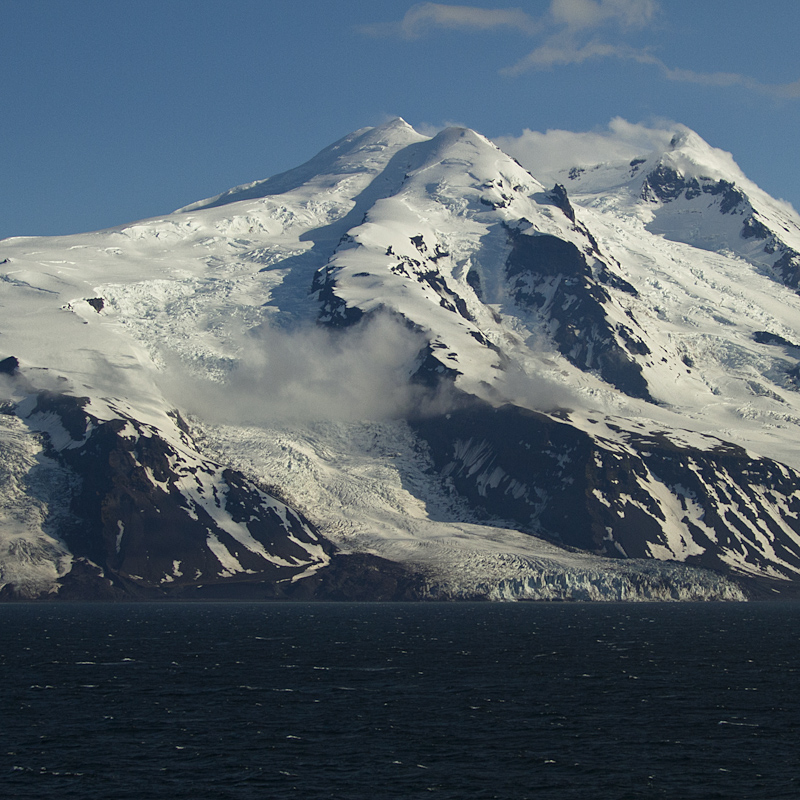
point(718, 310)
point(612, 368)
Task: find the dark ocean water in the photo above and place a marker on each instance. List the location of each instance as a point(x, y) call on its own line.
point(605, 702)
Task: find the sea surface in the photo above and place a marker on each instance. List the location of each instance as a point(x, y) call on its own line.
point(441, 700)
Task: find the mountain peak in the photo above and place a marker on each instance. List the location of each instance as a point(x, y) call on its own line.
point(694, 157)
point(394, 132)
point(364, 150)
point(685, 136)
point(396, 123)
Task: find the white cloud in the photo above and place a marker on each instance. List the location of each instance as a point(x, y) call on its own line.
point(310, 373)
point(565, 33)
point(787, 90)
point(560, 51)
point(576, 14)
point(544, 155)
point(555, 53)
point(421, 18)
point(570, 14)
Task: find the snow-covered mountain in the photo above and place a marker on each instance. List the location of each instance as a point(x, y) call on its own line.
point(408, 369)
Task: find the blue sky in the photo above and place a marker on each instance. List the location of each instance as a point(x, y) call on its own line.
point(118, 110)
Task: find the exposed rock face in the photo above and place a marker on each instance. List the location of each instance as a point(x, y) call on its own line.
point(553, 277)
point(333, 310)
point(714, 507)
point(155, 517)
point(738, 511)
point(665, 184)
point(359, 577)
point(8, 366)
point(558, 194)
point(787, 268)
point(431, 370)
point(765, 337)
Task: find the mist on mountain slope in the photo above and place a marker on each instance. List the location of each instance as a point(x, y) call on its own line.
point(309, 373)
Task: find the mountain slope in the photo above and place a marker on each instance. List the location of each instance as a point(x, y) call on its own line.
point(458, 381)
point(696, 194)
